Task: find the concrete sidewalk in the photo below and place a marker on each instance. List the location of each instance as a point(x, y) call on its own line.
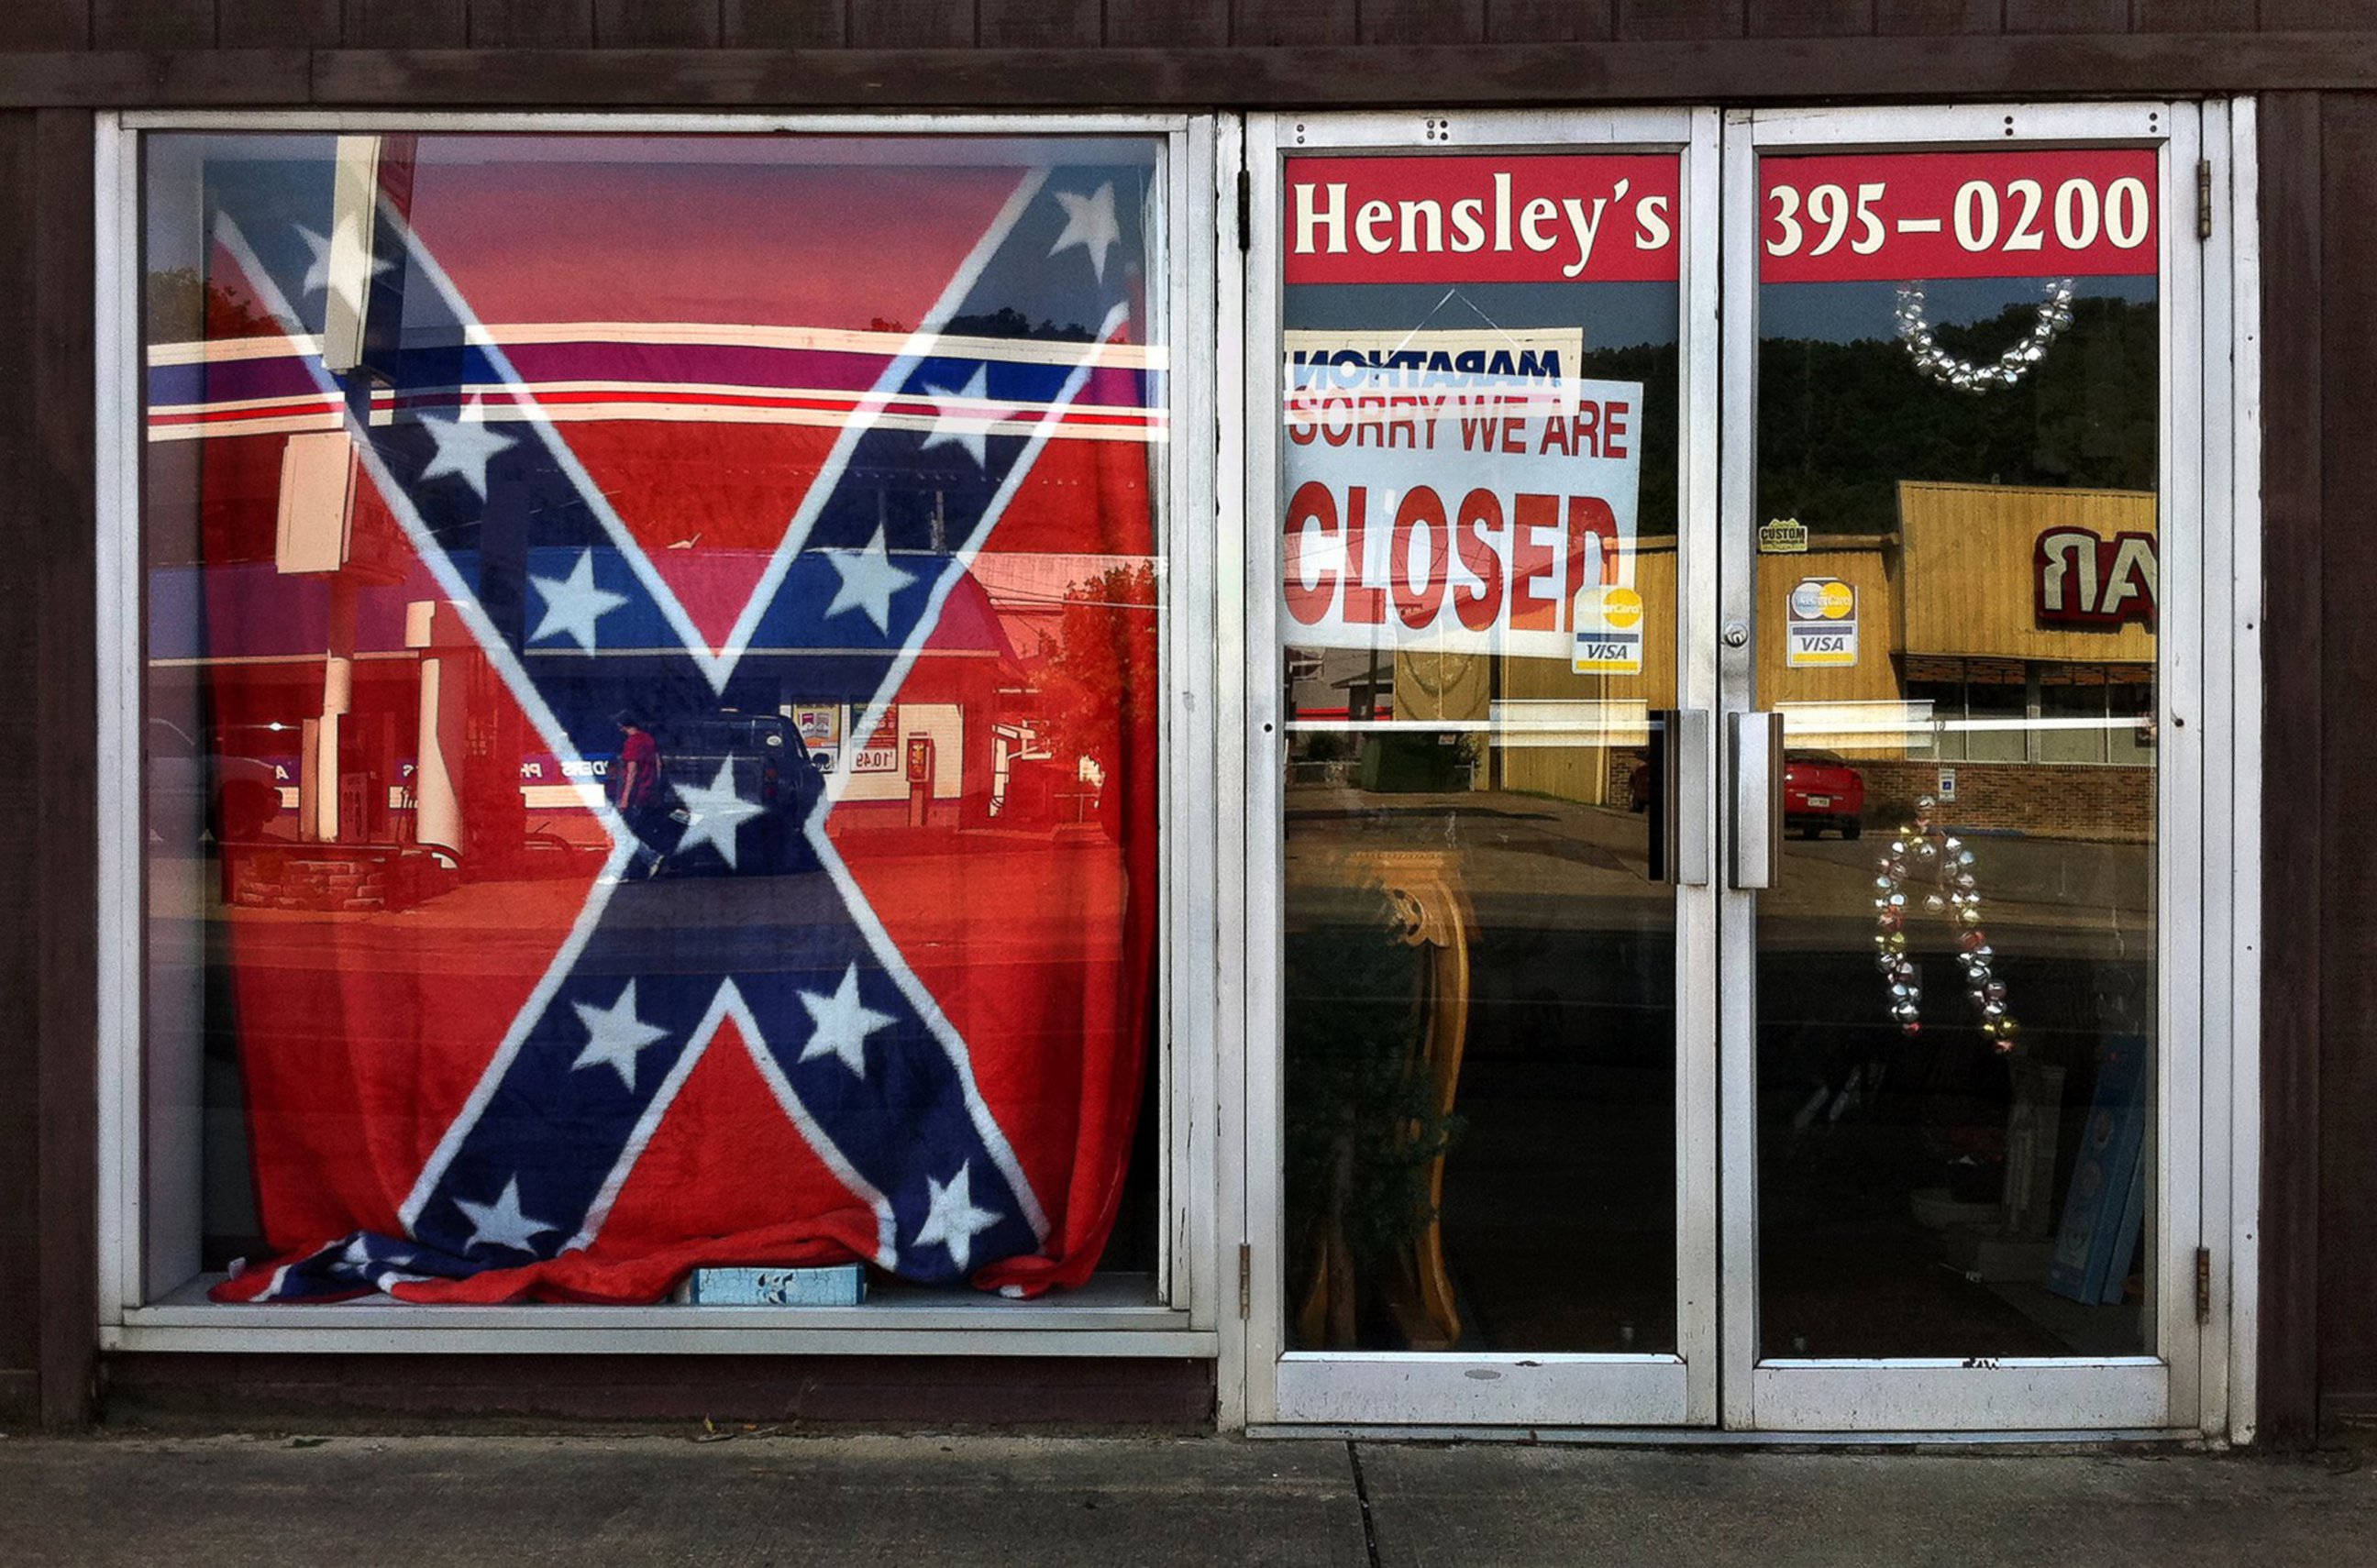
point(1051, 1502)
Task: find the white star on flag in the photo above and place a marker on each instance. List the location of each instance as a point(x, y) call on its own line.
point(962, 418)
point(869, 579)
point(953, 1221)
point(464, 447)
point(573, 604)
point(614, 1035)
point(501, 1224)
point(317, 276)
point(842, 1023)
point(1090, 223)
point(715, 814)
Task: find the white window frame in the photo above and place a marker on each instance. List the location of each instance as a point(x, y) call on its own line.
point(1094, 1321)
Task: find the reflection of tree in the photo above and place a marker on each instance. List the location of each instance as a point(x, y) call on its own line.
point(1100, 679)
point(181, 308)
point(1839, 424)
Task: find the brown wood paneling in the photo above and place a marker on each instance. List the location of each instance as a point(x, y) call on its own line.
point(532, 24)
point(2195, 15)
point(65, 702)
point(784, 24)
point(1035, 24)
point(1920, 16)
point(1423, 21)
point(277, 24)
point(1745, 70)
point(190, 77)
point(216, 1390)
point(2348, 779)
point(1549, 21)
point(2067, 16)
point(2293, 830)
point(912, 24)
point(152, 24)
point(406, 24)
point(2318, 16)
point(20, 909)
point(1807, 18)
point(1679, 18)
point(47, 24)
point(1185, 23)
point(656, 24)
point(1259, 23)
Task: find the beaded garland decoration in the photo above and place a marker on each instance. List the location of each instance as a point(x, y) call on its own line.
point(1955, 893)
point(1962, 374)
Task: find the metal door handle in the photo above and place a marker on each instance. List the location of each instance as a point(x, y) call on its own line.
point(1679, 827)
point(1757, 800)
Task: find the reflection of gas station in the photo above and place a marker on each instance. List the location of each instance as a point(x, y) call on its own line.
point(2000, 642)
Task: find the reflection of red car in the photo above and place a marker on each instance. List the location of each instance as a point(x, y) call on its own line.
point(1822, 791)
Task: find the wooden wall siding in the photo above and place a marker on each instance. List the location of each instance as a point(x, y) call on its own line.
point(2318, 16)
point(279, 24)
point(1165, 24)
point(2194, 15)
point(58, 538)
point(910, 24)
point(1674, 20)
point(1549, 21)
point(1809, 19)
point(2347, 774)
point(406, 24)
point(531, 24)
point(20, 911)
point(210, 1393)
point(784, 24)
point(1915, 17)
point(642, 24)
point(1039, 24)
point(152, 24)
point(2294, 826)
point(1423, 22)
point(1261, 23)
point(2067, 16)
point(956, 24)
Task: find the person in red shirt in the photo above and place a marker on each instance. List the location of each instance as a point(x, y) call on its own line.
point(636, 790)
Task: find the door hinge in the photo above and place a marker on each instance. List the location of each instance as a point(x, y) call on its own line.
point(1245, 207)
point(2203, 198)
point(2203, 1284)
point(1246, 1280)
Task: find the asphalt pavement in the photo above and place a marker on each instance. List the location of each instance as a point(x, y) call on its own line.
point(757, 1498)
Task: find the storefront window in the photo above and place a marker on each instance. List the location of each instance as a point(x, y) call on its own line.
point(652, 693)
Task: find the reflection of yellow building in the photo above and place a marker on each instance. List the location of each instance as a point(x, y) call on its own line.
point(2003, 632)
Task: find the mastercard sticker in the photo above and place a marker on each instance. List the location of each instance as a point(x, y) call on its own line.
point(1608, 632)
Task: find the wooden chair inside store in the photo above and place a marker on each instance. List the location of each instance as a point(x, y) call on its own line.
point(1432, 913)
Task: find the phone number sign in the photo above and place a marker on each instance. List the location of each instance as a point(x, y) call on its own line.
point(1894, 217)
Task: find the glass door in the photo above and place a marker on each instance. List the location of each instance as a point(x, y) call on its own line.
point(1962, 506)
point(1480, 589)
point(1727, 953)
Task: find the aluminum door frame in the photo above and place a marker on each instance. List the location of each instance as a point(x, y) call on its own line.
point(2161, 1392)
point(1534, 1391)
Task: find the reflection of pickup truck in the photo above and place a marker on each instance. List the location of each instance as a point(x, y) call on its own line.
point(239, 794)
point(768, 765)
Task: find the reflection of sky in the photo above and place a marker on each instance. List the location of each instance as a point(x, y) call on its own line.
point(1613, 315)
point(1846, 313)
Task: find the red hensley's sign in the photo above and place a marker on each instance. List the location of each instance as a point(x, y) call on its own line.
point(1498, 219)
